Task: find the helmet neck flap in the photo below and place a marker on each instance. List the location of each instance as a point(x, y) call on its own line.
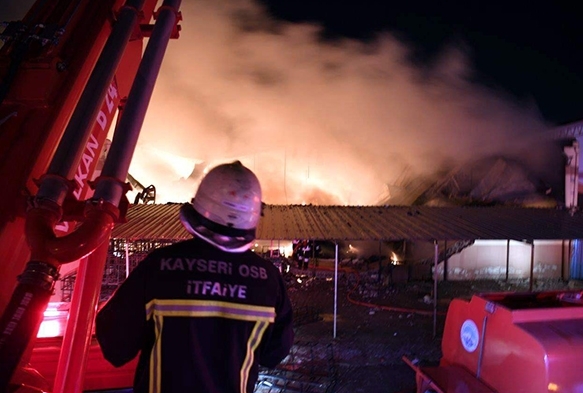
point(223, 237)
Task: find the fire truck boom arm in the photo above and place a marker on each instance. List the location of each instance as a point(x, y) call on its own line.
point(87, 85)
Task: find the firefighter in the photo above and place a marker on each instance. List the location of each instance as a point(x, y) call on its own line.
point(206, 312)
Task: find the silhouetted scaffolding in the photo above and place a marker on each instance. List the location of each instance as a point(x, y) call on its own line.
point(123, 256)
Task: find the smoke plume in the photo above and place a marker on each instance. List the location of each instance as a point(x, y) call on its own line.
point(318, 122)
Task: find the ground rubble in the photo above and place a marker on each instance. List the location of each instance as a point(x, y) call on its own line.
point(352, 334)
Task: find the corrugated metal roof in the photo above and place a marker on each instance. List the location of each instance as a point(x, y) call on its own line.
point(288, 222)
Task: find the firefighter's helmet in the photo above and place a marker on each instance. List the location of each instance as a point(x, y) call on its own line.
point(226, 208)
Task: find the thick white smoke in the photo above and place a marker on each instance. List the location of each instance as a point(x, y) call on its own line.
point(329, 123)
point(322, 123)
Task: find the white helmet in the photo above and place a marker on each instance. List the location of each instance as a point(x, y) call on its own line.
point(226, 208)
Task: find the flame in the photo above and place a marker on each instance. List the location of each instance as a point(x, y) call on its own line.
point(394, 258)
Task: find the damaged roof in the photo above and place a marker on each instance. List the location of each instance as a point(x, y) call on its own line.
point(289, 222)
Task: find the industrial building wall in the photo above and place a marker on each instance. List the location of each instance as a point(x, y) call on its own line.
point(488, 259)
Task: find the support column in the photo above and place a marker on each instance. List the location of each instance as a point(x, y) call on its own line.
point(531, 279)
point(507, 258)
point(335, 288)
point(436, 258)
point(445, 261)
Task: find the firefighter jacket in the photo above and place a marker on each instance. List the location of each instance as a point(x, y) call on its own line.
point(203, 319)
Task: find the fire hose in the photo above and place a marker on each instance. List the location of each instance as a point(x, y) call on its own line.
point(349, 297)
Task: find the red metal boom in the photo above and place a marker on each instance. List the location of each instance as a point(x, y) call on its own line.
point(64, 69)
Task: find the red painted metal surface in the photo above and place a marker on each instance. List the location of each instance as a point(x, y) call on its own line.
point(98, 375)
point(42, 83)
point(515, 342)
point(70, 370)
point(42, 95)
point(446, 379)
point(47, 246)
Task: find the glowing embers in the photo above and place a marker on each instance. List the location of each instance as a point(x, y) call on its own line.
point(395, 259)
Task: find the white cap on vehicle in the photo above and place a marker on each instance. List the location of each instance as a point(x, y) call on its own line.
point(226, 208)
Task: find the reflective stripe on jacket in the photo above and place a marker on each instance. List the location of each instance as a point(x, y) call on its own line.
point(202, 318)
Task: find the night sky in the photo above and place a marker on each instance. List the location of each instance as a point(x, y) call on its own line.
point(534, 52)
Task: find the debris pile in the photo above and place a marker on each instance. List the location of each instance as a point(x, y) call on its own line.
point(356, 343)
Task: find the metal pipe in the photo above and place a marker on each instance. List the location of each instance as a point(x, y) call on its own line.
point(570, 256)
point(47, 247)
point(70, 149)
point(436, 258)
point(380, 261)
point(481, 353)
point(71, 365)
point(531, 278)
point(507, 258)
point(115, 169)
point(335, 288)
point(110, 188)
point(127, 248)
point(445, 261)
point(563, 259)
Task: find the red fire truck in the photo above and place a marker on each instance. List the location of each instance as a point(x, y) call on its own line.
point(67, 69)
